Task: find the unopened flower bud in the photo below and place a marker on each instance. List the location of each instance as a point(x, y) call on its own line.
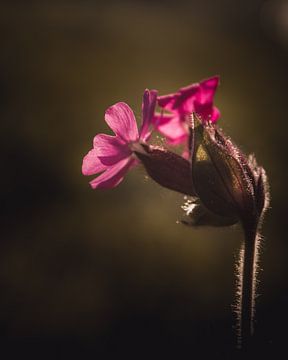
point(226, 183)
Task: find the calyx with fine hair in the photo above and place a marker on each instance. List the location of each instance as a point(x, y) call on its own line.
point(226, 182)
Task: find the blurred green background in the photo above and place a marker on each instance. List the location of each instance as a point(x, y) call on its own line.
point(113, 272)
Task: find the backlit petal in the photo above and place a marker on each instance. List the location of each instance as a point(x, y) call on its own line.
point(113, 175)
point(208, 88)
point(215, 115)
point(187, 95)
point(161, 119)
point(91, 164)
point(122, 121)
point(207, 112)
point(167, 101)
point(175, 131)
point(110, 149)
point(148, 108)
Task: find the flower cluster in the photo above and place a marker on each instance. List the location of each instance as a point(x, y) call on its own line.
point(115, 155)
point(225, 186)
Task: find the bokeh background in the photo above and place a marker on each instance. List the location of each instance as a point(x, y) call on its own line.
point(101, 274)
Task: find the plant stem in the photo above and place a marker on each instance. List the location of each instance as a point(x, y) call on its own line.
point(247, 277)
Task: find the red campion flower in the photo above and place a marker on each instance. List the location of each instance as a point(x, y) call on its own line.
point(113, 156)
point(196, 98)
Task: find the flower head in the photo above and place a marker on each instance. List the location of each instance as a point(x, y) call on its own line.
point(224, 186)
point(197, 98)
point(112, 156)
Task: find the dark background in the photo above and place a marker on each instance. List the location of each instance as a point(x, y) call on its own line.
point(100, 274)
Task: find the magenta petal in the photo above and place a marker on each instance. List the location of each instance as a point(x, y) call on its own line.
point(161, 119)
point(110, 149)
point(203, 110)
point(207, 111)
point(122, 121)
point(210, 83)
point(167, 101)
point(91, 164)
point(185, 101)
point(215, 114)
point(208, 89)
point(113, 175)
point(148, 108)
point(175, 131)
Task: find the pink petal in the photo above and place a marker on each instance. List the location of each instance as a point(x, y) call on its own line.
point(167, 101)
point(110, 149)
point(185, 101)
point(215, 115)
point(161, 119)
point(208, 89)
point(113, 175)
point(174, 130)
point(91, 164)
point(122, 121)
point(207, 111)
point(148, 108)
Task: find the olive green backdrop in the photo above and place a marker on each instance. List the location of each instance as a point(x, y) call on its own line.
point(113, 272)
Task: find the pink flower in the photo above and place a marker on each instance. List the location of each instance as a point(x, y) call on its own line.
point(196, 98)
point(113, 155)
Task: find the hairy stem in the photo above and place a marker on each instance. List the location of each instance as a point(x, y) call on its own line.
point(247, 285)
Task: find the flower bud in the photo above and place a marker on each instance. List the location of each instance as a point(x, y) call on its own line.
point(226, 183)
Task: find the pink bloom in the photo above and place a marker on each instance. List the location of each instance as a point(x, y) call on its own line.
point(113, 155)
point(196, 98)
